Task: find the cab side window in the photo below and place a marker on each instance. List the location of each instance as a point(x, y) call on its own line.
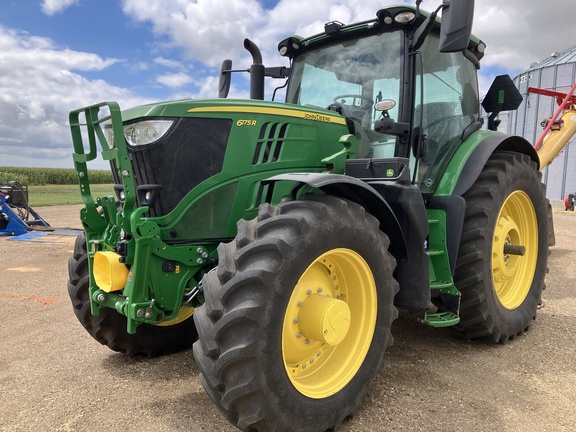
point(446, 103)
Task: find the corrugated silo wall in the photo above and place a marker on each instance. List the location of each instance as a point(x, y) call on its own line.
point(560, 176)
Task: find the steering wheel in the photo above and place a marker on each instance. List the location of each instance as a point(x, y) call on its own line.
point(340, 99)
point(352, 110)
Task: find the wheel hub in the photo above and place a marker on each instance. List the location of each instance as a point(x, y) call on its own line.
point(324, 319)
point(506, 233)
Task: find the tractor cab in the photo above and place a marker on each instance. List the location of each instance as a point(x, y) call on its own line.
point(433, 95)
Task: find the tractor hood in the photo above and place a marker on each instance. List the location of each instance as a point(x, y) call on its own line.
point(246, 108)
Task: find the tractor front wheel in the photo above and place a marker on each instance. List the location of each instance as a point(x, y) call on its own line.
point(297, 316)
point(109, 327)
point(504, 249)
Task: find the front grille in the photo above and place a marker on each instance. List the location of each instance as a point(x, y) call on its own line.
point(191, 153)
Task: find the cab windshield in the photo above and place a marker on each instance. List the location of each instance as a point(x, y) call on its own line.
point(352, 76)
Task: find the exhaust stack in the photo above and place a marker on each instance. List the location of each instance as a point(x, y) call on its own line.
point(257, 71)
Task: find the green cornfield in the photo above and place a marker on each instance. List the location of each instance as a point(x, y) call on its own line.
point(51, 176)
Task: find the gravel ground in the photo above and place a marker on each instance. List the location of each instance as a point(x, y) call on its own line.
point(55, 377)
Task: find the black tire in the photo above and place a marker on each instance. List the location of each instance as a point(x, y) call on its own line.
point(245, 324)
point(500, 291)
point(3, 221)
point(109, 327)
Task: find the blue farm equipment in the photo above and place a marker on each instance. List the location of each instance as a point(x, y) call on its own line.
point(16, 215)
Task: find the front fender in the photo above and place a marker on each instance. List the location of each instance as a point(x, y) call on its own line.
point(355, 190)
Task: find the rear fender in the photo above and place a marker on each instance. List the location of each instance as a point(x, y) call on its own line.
point(479, 156)
point(355, 190)
point(462, 173)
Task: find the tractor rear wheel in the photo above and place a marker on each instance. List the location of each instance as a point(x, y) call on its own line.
point(503, 253)
point(297, 316)
point(109, 327)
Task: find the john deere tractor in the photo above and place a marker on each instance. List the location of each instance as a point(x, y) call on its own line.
point(281, 239)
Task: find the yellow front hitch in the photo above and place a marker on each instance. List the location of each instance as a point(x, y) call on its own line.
point(109, 273)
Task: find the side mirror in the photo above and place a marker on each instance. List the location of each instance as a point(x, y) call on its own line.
point(225, 79)
point(502, 96)
point(385, 105)
point(457, 17)
point(384, 123)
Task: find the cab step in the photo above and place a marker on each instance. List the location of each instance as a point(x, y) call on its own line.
point(442, 319)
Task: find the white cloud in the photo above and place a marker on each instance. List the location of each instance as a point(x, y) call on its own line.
point(207, 30)
point(169, 63)
point(51, 7)
point(174, 80)
point(27, 51)
point(519, 33)
point(38, 88)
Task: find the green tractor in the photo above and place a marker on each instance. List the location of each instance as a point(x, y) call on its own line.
point(281, 239)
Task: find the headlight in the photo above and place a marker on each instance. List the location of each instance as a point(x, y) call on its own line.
point(146, 132)
point(404, 17)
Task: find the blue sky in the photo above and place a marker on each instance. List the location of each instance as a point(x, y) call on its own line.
point(101, 27)
point(59, 55)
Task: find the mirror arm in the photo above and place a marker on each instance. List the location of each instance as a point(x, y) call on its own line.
point(277, 72)
point(422, 31)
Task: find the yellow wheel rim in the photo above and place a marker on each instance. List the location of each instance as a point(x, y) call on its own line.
point(512, 274)
point(329, 323)
point(184, 313)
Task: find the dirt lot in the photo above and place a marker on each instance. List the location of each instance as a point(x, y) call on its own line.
point(55, 377)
